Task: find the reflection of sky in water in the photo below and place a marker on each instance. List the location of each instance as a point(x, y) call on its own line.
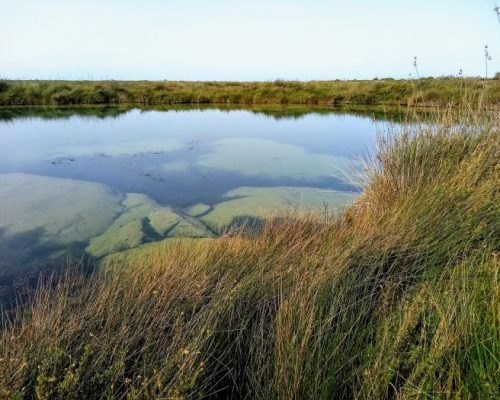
point(151, 130)
point(182, 158)
point(138, 177)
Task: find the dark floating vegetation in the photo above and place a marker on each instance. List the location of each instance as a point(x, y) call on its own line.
point(419, 92)
point(396, 297)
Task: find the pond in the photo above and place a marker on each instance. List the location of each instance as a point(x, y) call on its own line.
point(101, 180)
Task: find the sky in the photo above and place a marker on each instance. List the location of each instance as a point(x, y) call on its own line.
point(245, 40)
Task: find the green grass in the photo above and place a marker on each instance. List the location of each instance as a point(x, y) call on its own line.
point(424, 92)
point(396, 297)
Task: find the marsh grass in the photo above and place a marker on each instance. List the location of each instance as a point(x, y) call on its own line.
point(396, 297)
point(421, 92)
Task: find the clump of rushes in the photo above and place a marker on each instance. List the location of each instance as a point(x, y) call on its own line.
point(396, 297)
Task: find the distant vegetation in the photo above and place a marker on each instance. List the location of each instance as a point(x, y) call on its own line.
point(423, 92)
point(398, 297)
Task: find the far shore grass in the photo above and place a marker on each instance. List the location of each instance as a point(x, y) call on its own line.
point(428, 92)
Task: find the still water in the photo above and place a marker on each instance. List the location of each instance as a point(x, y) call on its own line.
point(98, 181)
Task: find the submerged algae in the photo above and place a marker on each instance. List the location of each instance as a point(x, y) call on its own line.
point(263, 202)
point(63, 210)
point(143, 220)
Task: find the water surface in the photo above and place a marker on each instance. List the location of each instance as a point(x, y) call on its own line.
point(98, 181)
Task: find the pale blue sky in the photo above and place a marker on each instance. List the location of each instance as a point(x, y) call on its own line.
point(245, 40)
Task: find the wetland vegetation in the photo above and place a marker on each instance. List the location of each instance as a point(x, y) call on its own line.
point(396, 296)
point(195, 230)
point(402, 92)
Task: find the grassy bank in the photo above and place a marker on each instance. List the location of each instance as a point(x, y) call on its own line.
point(397, 297)
point(424, 92)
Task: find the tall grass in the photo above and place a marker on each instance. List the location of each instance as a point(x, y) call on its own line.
point(424, 91)
point(396, 297)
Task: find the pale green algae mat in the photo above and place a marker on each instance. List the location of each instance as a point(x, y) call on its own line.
point(143, 220)
point(62, 211)
point(45, 219)
point(248, 203)
point(262, 202)
point(66, 213)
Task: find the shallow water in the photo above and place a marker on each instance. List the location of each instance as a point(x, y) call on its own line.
point(105, 180)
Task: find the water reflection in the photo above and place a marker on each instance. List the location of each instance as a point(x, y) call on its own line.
point(395, 114)
point(100, 180)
